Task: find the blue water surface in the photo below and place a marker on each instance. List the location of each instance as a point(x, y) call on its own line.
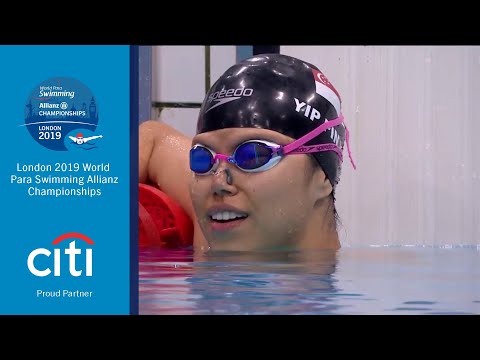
point(366, 280)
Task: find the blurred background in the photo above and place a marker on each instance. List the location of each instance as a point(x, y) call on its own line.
point(413, 116)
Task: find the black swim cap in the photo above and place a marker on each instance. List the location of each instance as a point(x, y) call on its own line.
point(280, 93)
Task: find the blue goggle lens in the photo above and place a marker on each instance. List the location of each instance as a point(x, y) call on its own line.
point(201, 160)
point(252, 155)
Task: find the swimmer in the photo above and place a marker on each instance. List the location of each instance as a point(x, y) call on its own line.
point(262, 169)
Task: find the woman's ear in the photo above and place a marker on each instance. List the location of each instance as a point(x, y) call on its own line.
point(321, 185)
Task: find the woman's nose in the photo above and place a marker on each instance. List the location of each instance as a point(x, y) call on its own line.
point(223, 182)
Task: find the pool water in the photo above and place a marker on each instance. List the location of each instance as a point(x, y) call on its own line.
point(367, 280)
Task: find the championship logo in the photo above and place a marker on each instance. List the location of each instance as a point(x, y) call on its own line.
point(62, 114)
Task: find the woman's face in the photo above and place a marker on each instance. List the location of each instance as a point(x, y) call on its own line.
point(270, 209)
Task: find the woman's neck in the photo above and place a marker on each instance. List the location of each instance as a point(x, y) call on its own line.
point(321, 230)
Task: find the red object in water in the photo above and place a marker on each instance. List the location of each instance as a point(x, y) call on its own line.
point(161, 221)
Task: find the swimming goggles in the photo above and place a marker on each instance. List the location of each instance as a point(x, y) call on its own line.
point(261, 155)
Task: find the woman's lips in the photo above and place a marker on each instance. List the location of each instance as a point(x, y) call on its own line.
point(226, 225)
point(225, 217)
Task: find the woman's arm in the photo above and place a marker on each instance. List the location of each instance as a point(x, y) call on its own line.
point(164, 159)
point(164, 162)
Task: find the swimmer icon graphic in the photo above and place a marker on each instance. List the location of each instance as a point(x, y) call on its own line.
point(79, 139)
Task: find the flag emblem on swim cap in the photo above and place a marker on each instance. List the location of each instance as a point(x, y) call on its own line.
point(324, 88)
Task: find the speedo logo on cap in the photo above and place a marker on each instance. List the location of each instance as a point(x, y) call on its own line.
point(224, 96)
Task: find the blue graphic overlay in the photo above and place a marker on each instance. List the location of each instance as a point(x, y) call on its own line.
point(65, 180)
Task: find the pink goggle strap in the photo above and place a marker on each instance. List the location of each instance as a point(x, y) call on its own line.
point(297, 147)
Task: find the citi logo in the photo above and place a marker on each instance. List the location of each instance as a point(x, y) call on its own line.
point(308, 110)
point(224, 96)
point(70, 256)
